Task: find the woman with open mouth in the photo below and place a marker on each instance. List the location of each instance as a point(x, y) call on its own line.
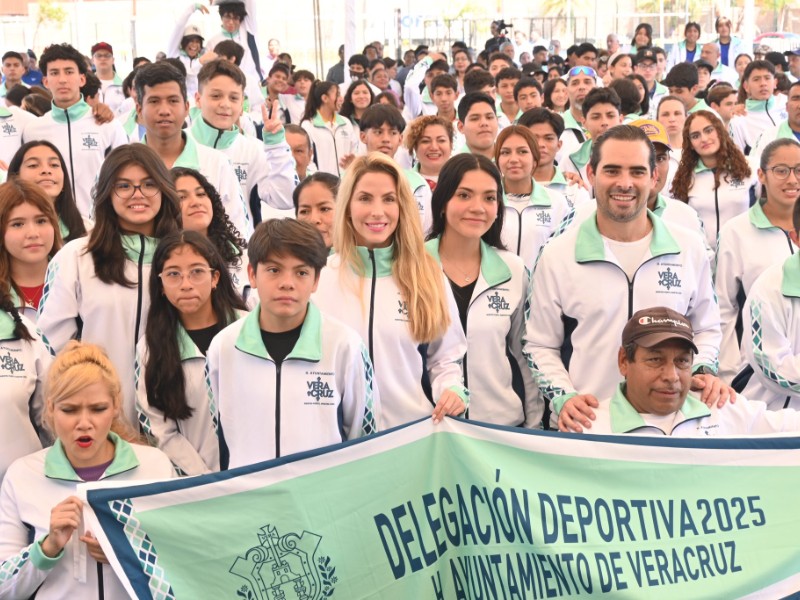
point(83, 409)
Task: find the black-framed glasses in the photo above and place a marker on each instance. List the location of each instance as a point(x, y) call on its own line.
point(782, 171)
point(125, 189)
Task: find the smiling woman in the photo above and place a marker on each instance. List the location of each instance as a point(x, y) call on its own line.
point(382, 283)
point(95, 287)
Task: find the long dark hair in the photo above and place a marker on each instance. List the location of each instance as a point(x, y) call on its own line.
point(645, 103)
point(7, 305)
point(66, 209)
point(450, 178)
point(164, 381)
point(221, 231)
point(348, 109)
point(105, 243)
point(314, 100)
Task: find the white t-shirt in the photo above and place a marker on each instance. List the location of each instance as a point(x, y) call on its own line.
point(630, 254)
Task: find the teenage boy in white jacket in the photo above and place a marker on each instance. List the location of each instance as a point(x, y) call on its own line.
point(287, 378)
point(161, 103)
point(71, 126)
point(590, 280)
point(763, 110)
point(265, 170)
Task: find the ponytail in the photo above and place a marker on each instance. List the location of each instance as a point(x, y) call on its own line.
point(20, 330)
point(314, 100)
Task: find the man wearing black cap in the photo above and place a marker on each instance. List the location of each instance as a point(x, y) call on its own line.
point(646, 64)
point(111, 84)
point(655, 361)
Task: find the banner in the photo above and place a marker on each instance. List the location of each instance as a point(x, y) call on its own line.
point(469, 511)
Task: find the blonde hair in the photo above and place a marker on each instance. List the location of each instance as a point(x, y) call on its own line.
point(74, 369)
point(414, 271)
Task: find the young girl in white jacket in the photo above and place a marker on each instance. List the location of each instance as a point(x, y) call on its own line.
point(193, 299)
point(333, 137)
point(383, 283)
point(96, 287)
point(713, 176)
point(45, 548)
point(490, 285)
point(30, 238)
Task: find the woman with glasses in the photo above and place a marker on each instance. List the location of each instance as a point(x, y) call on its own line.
point(193, 299)
point(95, 289)
point(202, 211)
point(713, 176)
point(751, 242)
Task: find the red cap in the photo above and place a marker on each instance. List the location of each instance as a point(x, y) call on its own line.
point(102, 46)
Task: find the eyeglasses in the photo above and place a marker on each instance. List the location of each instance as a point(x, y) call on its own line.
point(582, 70)
point(173, 277)
point(782, 171)
point(646, 66)
point(125, 190)
point(103, 55)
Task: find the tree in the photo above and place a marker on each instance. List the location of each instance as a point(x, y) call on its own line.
point(48, 13)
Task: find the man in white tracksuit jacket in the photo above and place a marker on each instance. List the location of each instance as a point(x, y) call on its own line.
point(590, 280)
point(655, 359)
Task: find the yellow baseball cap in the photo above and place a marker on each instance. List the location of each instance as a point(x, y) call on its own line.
point(653, 130)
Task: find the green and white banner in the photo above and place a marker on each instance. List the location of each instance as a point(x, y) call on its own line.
point(464, 510)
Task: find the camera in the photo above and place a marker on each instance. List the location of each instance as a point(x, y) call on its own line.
point(502, 26)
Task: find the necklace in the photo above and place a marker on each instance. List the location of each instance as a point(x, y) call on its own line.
point(467, 277)
point(37, 292)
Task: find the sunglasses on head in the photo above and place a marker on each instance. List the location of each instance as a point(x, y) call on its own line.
point(582, 70)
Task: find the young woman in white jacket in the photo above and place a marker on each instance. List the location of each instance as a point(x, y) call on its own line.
point(192, 299)
point(202, 211)
point(45, 549)
point(96, 287)
point(30, 238)
point(383, 283)
point(333, 137)
point(752, 242)
point(24, 360)
point(490, 285)
point(713, 176)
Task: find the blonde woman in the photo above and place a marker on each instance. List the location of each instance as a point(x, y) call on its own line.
point(383, 283)
point(83, 409)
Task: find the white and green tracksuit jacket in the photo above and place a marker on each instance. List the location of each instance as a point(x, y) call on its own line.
point(373, 305)
point(748, 245)
point(581, 299)
point(265, 170)
point(33, 485)
point(192, 443)
point(23, 367)
point(331, 145)
point(495, 328)
point(771, 336)
point(717, 206)
point(83, 143)
point(321, 394)
point(77, 305)
point(524, 233)
point(694, 419)
point(12, 122)
point(761, 115)
point(219, 171)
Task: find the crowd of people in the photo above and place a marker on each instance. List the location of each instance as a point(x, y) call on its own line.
point(221, 259)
